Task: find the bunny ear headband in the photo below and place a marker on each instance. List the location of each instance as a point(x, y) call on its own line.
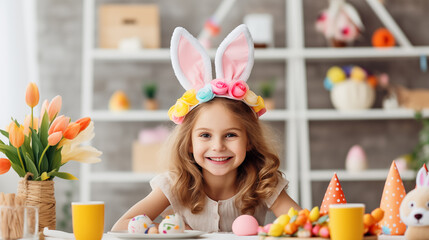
point(192, 66)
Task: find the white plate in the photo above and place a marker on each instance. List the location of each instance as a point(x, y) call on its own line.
point(126, 235)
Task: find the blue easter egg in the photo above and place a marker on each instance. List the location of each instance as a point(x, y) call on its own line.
point(327, 83)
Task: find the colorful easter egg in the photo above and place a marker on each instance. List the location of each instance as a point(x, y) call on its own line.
point(139, 224)
point(172, 224)
point(356, 159)
point(336, 74)
point(357, 73)
point(245, 225)
point(327, 83)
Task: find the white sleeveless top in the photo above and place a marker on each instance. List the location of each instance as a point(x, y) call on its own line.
point(217, 216)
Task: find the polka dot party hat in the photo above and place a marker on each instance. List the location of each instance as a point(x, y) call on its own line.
point(393, 194)
point(334, 195)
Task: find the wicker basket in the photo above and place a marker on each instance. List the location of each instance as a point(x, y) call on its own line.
point(40, 194)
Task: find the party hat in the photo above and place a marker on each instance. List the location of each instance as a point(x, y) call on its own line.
point(393, 194)
point(334, 195)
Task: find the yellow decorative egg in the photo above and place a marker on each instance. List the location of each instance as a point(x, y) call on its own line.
point(282, 220)
point(357, 73)
point(119, 101)
point(336, 74)
point(276, 230)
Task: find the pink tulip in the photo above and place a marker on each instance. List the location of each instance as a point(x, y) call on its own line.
point(59, 124)
point(16, 135)
point(54, 107)
point(55, 138)
point(32, 95)
point(72, 130)
point(44, 108)
point(27, 124)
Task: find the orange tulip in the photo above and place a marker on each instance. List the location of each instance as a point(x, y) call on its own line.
point(54, 107)
point(9, 126)
point(16, 135)
point(83, 122)
point(72, 130)
point(55, 138)
point(4, 165)
point(59, 124)
point(32, 95)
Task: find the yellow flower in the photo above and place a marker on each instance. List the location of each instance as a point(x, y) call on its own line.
point(259, 104)
point(44, 176)
point(72, 149)
point(190, 97)
point(180, 108)
point(251, 98)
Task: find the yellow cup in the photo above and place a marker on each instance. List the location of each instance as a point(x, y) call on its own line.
point(88, 220)
point(346, 221)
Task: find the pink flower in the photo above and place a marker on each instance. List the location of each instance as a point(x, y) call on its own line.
point(177, 120)
point(60, 124)
point(55, 138)
point(238, 89)
point(219, 87)
point(54, 107)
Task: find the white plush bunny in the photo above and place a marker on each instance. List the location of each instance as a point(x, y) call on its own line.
point(192, 66)
point(414, 210)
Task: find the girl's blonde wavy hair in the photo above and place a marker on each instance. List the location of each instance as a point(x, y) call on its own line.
point(257, 176)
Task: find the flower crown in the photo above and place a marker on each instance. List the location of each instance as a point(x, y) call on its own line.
point(192, 67)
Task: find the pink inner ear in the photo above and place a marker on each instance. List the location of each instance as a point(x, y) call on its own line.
point(235, 57)
point(421, 176)
point(191, 63)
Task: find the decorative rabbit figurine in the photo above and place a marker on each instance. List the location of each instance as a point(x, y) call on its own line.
point(414, 210)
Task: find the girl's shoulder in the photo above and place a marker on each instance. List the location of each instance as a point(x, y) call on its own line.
point(162, 179)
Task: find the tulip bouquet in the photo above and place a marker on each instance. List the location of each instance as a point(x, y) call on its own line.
point(42, 145)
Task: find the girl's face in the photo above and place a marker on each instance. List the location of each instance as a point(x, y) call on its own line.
point(219, 141)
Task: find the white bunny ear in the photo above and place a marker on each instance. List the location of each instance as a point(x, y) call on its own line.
point(190, 61)
point(234, 57)
point(422, 179)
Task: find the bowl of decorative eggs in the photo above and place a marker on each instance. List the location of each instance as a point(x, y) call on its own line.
point(351, 87)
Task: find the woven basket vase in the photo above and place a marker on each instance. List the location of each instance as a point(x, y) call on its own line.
point(40, 194)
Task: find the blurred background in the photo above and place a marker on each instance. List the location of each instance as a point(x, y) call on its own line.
point(109, 60)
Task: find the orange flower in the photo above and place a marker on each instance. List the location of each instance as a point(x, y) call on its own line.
point(4, 165)
point(72, 130)
point(54, 107)
point(83, 122)
point(59, 124)
point(55, 138)
point(16, 135)
point(32, 95)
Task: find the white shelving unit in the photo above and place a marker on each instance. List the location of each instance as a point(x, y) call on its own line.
point(296, 116)
point(91, 54)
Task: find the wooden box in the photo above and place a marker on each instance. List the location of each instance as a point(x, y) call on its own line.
point(146, 158)
point(119, 21)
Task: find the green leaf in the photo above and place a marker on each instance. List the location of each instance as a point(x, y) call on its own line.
point(64, 175)
point(55, 156)
point(18, 169)
point(44, 128)
point(30, 165)
point(37, 146)
point(26, 148)
point(6, 134)
point(10, 153)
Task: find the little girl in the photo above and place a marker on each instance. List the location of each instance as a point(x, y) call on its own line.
point(222, 164)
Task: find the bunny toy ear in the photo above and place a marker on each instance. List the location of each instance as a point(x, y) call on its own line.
point(190, 61)
point(422, 179)
point(234, 57)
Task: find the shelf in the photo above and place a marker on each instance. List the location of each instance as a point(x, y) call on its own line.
point(161, 115)
point(367, 175)
point(281, 54)
point(364, 52)
point(121, 177)
point(163, 54)
point(370, 114)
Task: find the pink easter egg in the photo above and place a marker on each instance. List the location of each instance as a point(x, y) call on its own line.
point(245, 225)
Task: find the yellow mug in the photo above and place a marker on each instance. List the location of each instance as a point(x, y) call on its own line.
point(346, 221)
point(88, 220)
